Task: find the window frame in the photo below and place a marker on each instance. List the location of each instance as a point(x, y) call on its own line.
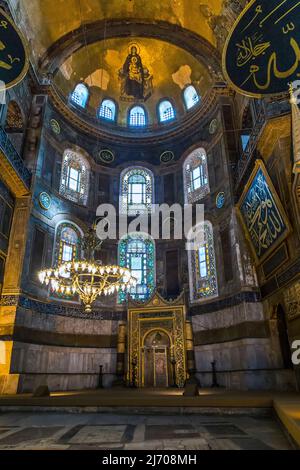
point(187, 108)
point(57, 254)
point(159, 115)
point(137, 126)
point(116, 110)
point(74, 159)
point(203, 288)
point(87, 97)
point(124, 192)
point(148, 269)
point(191, 163)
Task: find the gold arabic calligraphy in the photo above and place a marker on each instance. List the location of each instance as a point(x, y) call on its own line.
point(263, 219)
point(248, 51)
point(253, 47)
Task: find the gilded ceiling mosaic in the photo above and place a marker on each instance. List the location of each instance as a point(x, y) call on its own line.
point(46, 21)
point(133, 71)
point(119, 65)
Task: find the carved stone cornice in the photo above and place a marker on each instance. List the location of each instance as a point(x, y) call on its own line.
point(95, 31)
point(156, 300)
point(292, 301)
point(157, 135)
point(274, 129)
point(11, 177)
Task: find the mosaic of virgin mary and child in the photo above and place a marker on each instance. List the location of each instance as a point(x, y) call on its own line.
point(136, 80)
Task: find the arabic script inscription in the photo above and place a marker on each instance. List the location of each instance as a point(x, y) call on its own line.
point(261, 215)
point(262, 55)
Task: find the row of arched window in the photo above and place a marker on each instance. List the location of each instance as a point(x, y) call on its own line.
point(136, 251)
point(137, 115)
point(136, 184)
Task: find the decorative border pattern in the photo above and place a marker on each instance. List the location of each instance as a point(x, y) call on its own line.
point(260, 177)
point(53, 308)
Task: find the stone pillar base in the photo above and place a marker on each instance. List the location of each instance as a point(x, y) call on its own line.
point(9, 384)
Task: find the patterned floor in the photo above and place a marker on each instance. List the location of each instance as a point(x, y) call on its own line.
point(20, 430)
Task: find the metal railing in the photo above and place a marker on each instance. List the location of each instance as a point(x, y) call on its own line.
point(249, 151)
point(267, 111)
point(14, 158)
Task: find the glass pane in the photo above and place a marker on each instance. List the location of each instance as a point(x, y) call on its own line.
point(80, 95)
point(136, 262)
point(203, 269)
point(73, 184)
point(197, 184)
point(137, 188)
point(166, 111)
point(196, 173)
point(74, 173)
point(67, 253)
point(245, 140)
point(191, 97)
point(137, 117)
point(108, 110)
point(202, 253)
point(137, 199)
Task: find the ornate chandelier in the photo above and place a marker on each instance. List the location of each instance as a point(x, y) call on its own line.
point(86, 277)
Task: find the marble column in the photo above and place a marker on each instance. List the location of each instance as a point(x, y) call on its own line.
point(11, 291)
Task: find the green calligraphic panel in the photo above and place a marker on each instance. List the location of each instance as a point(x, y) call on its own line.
point(14, 61)
point(262, 214)
point(262, 53)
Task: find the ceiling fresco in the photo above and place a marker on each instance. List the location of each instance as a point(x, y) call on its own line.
point(46, 21)
point(167, 71)
point(178, 42)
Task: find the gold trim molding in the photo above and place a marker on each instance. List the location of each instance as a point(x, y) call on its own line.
point(274, 130)
point(160, 315)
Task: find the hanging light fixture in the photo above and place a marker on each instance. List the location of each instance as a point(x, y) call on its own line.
point(86, 277)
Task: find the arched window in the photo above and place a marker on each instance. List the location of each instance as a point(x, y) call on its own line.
point(202, 265)
point(191, 97)
point(67, 242)
point(74, 182)
point(108, 110)
point(136, 191)
point(137, 117)
point(80, 95)
point(137, 253)
point(67, 248)
point(195, 174)
point(166, 111)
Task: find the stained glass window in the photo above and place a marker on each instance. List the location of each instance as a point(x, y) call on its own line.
point(67, 246)
point(136, 195)
point(195, 174)
point(75, 174)
point(245, 140)
point(68, 243)
point(80, 95)
point(191, 97)
point(107, 110)
point(166, 111)
point(202, 266)
point(137, 252)
point(137, 117)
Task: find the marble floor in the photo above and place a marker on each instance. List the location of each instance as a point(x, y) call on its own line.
point(66, 431)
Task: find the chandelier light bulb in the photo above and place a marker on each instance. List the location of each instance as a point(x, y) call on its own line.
point(88, 279)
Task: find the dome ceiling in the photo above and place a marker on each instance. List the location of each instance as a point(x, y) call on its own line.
point(169, 70)
point(179, 43)
point(47, 21)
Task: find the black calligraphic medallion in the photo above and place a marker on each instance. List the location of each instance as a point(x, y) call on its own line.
point(14, 60)
point(262, 53)
point(262, 214)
